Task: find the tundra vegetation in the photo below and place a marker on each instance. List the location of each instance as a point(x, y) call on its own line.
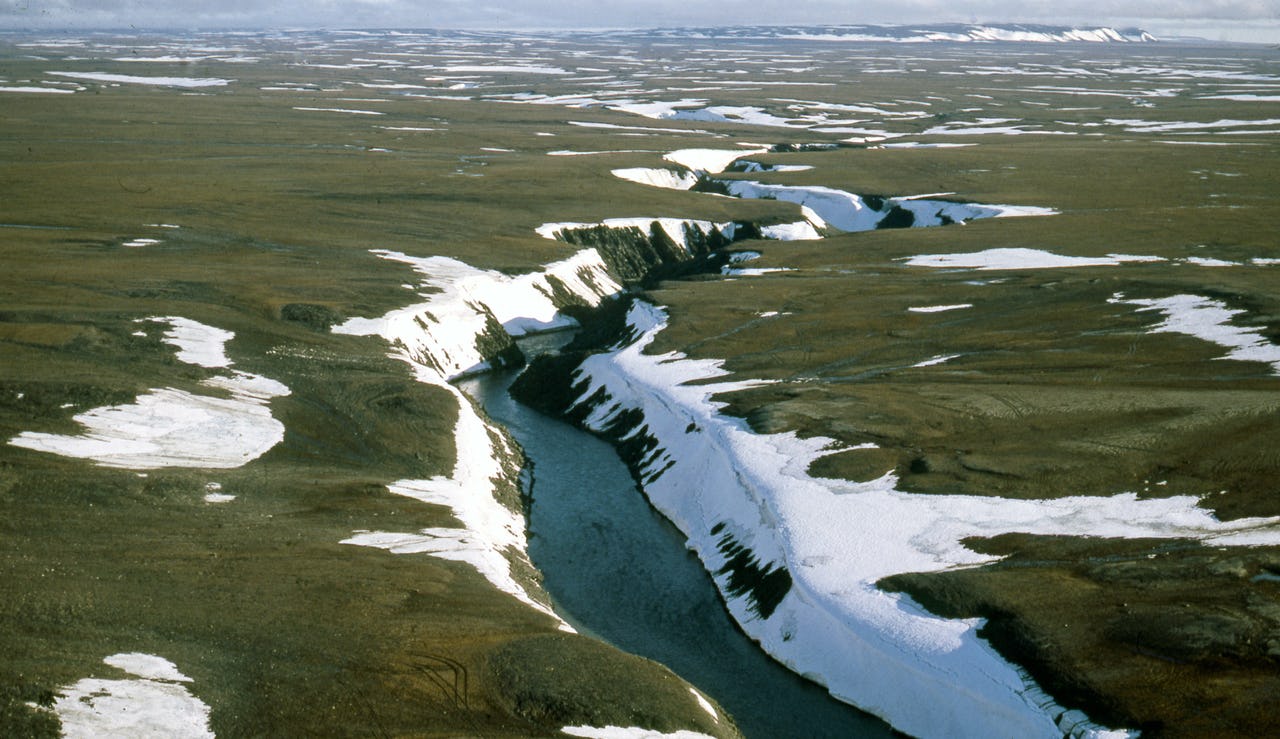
point(244, 182)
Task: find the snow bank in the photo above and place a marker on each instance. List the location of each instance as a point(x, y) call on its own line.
point(1020, 258)
point(798, 558)
point(130, 79)
point(939, 308)
point(1210, 320)
point(664, 178)
point(711, 161)
point(468, 303)
point(168, 427)
point(618, 732)
point(677, 229)
point(439, 339)
point(153, 704)
point(823, 207)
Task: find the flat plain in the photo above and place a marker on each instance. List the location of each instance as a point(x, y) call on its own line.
point(242, 181)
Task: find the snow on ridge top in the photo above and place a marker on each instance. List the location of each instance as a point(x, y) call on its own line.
point(628, 732)
point(711, 161)
point(673, 227)
point(936, 32)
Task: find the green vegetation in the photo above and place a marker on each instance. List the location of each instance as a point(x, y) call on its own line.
point(1053, 390)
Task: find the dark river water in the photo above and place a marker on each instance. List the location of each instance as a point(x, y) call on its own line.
point(619, 571)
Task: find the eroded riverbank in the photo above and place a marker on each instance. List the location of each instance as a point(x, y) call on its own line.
point(616, 569)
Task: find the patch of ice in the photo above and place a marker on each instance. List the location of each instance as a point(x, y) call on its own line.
point(1210, 320)
point(153, 705)
point(135, 243)
point(939, 308)
point(1020, 258)
point(137, 80)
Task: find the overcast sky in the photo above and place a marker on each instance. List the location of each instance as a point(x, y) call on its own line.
point(1242, 20)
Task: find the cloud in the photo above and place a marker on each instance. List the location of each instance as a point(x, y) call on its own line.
point(508, 14)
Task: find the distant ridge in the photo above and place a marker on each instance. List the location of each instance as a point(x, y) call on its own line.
point(940, 32)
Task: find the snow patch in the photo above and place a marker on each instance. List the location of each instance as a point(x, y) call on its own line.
point(939, 308)
point(137, 80)
point(1209, 319)
point(1020, 258)
point(152, 705)
point(438, 338)
point(619, 732)
point(167, 427)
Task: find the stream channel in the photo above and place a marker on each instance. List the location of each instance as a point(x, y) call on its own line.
point(617, 570)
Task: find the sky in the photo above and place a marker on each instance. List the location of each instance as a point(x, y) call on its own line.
point(1255, 21)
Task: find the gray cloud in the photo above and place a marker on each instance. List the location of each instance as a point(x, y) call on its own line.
point(616, 13)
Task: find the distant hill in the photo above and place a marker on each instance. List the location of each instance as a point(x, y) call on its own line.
point(940, 32)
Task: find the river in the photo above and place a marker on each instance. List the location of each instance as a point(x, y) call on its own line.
point(619, 571)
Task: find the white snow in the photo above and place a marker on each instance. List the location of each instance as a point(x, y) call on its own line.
point(1210, 262)
point(167, 427)
point(152, 705)
point(506, 69)
point(936, 360)
point(1020, 258)
point(28, 88)
point(837, 539)
point(437, 338)
point(349, 111)
point(705, 704)
point(673, 227)
point(137, 80)
point(1210, 320)
point(797, 231)
point(141, 242)
point(1141, 126)
point(619, 732)
point(441, 332)
point(939, 308)
point(665, 178)
point(711, 161)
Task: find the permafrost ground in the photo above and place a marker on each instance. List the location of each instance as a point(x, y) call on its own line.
point(800, 557)
point(757, 518)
